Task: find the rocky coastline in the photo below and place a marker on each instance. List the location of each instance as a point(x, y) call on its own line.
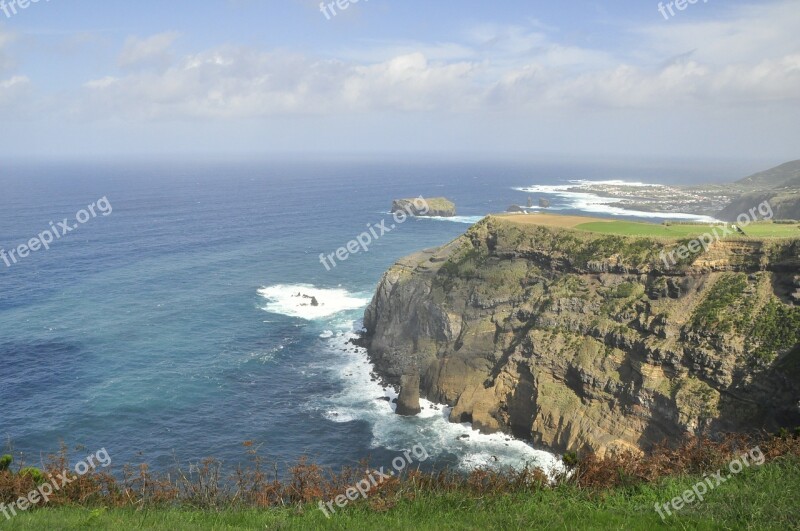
point(587, 342)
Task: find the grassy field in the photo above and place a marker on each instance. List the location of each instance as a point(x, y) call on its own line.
point(633, 228)
point(629, 228)
point(758, 498)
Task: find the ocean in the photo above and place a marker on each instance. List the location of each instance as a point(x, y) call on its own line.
point(169, 329)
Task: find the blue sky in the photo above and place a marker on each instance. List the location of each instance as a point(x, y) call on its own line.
point(578, 78)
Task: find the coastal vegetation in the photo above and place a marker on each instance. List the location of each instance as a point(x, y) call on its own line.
point(616, 491)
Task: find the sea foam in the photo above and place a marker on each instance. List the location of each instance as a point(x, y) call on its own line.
point(363, 398)
point(470, 220)
point(297, 300)
point(592, 203)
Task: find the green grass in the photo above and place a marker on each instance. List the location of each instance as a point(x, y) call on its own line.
point(632, 228)
point(776, 328)
point(713, 312)
point(758, 498)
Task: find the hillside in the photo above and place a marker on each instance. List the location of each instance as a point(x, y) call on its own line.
point(588, 341)
point(784, 176)
point(779, 186)
point(785, 204)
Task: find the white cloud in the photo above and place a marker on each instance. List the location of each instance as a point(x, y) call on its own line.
point(231, 83)
point(148, 52)
point(15, 81)
point(5, 59)
point(13, 93)
point(727, 87)
point(751, 56)
point(742, 34)
point(102, 83)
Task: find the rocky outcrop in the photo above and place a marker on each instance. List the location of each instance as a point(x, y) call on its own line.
point(408, 401)
point(421, 207)
point(582, 341)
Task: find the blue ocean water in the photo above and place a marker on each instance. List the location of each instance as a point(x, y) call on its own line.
point(168, 329)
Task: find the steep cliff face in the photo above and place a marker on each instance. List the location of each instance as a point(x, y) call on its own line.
point(580, 341)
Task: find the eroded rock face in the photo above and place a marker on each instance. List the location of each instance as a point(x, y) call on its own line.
point(585, 342)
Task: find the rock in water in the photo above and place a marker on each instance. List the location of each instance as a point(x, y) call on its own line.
point(422, 207)
point(544, 203)
point(408, 402)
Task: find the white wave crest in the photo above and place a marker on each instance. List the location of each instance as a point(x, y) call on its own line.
point(593, 203)
point(470, 220)
point(309, 302)
point(365, 399)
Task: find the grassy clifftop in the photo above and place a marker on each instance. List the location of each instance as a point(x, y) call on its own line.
point(580, 240)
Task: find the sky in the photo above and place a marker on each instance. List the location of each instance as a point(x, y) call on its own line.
point(103, 78)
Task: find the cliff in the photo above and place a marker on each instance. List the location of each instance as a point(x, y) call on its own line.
point(582, 341)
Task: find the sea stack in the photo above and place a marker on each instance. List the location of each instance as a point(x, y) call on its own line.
point(408, 401)
point(425, 207)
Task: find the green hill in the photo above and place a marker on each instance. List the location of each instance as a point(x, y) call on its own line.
point(779, 186)
point(781, 177)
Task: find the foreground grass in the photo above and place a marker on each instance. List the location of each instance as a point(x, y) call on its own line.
point(764, 497)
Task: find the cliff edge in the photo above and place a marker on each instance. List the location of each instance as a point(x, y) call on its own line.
point(583, 341)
